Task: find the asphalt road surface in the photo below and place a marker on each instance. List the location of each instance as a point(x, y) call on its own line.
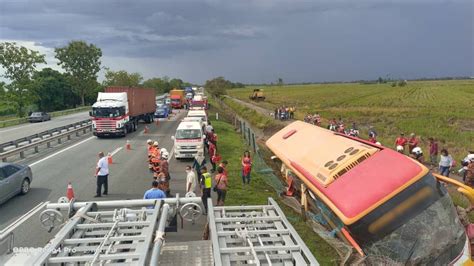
point(129, 178)
point(24, 130)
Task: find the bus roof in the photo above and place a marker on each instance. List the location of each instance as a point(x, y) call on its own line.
point(351, 176)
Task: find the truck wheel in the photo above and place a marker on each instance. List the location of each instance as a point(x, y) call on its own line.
point(134, 125)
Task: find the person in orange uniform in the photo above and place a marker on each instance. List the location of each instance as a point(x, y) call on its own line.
point(164, 169)
point(150, 152)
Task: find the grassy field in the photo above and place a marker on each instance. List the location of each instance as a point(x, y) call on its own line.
point(441, 109)
point(258, 191)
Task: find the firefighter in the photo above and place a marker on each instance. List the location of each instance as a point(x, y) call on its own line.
point(155, 163)
point(417, 154)
point(150, 152)
point(164, 169)
point(154, 152)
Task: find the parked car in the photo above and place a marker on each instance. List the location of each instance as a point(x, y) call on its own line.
point(14, 179)
point(39, 117)
point(162, 111)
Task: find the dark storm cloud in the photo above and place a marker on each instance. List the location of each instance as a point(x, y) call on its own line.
point(258, 40)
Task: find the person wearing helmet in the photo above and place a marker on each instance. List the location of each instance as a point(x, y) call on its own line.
point(150, 152)
point(163, 150)
point(164, 169)
point(417, 154)
point(155, 163)
point(400, 149)
point(401, 141)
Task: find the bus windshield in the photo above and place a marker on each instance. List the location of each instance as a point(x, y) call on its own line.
point(419, 226)
point(188, 134)
point(108, 112)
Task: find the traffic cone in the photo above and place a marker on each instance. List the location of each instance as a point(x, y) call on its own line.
point(128, 146)
point(146, 130)
point(109, 158)
point(69, 192)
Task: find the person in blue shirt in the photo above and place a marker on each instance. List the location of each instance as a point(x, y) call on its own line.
point(155, 192)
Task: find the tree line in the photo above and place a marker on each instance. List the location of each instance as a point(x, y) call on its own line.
point(30, 89)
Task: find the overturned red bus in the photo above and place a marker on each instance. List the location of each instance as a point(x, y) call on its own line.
point(381, 202)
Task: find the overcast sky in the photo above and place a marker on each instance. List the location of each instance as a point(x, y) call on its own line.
point(256, 41)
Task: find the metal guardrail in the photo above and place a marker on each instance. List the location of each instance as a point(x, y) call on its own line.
point(17, 121)
point(17, 143)
point(36, 140)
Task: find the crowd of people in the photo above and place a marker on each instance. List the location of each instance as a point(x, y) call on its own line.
point(409, 146)
point(197, 174)
point(284, 112)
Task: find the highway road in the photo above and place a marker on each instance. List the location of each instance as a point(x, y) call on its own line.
point(129, 177)
point(24, 130)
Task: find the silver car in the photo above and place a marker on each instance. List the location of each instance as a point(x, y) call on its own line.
point(14, 179)
point(39, 117)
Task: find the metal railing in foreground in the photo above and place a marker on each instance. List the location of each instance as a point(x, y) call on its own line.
point(127, 232)
point(256, 235)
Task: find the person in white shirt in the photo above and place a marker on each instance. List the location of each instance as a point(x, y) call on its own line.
point(209, 128)
point(190, 180)
point(102, 174)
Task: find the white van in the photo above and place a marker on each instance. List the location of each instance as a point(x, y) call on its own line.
point(199, 113)
point(188, 140)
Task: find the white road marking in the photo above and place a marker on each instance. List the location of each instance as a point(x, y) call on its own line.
point(61, 151)
point(115, 151)
point(16, 128)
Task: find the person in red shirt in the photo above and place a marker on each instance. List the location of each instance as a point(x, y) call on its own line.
point(433, 151)
point(246, 167)
point(401, 141)
point(412, 142)
point(212, 154)
point(373, 139)
point(224, 164)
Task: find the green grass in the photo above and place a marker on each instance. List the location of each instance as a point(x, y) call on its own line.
point(253, 117)
point(231, 147)
point(442, 109)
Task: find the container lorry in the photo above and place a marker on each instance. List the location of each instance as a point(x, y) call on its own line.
point(119, 109)
point(177, 99)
